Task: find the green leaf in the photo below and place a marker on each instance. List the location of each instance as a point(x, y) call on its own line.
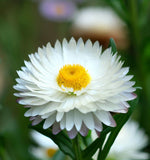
point(120, 119)
point(77, 148)
point(61, 139)
point(112, 44)
point(90, 151)
point(92, 148)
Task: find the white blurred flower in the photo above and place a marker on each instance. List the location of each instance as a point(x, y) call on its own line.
point(101, 24)
point(128, 144)
point(74, 86)
point(46, 147)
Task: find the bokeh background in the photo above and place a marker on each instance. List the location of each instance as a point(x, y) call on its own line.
point(26, 25)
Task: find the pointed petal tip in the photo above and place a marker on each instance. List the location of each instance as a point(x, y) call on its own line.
point(72, 133)
point(56, 128)
point(134, 95)
point(72, 39)
point(113, 122)
point(31, 118)
point(48, 44)
point(84, 130)
point(45, 127)
point(98, 133)
point(36, 120)
point(125, 110)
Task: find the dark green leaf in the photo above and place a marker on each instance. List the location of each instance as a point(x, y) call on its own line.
point(61, 139)
point(92, 148)
point(112, 44)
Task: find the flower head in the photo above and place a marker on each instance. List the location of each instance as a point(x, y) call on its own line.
point(74, 86)
point(57, 10)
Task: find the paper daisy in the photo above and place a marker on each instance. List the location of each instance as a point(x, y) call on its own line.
point(74, 86)
point(128, 144)
point(46, 147)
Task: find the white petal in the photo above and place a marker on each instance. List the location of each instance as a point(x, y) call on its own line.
point(97, 124)
point(49, 121)
point(77, 119)
point(58, 48)
point(49, 107)
point(59, 116)
point(72, 43)
point(28, 113)
point(108, 106)
point(31, 101)
point(46, 115)
point(88, 120)
point(106, 118)
point(63, 122)
point(69, 120)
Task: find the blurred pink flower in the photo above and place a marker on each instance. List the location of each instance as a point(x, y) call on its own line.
point(57, 10)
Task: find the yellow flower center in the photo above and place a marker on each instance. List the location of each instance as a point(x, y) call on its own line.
point(50, 152)
point(73, 76)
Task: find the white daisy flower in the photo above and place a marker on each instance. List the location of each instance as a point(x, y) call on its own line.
point(46, 147)
point(128, 144)
point(74, 86)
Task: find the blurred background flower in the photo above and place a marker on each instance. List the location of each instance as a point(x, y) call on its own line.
point(57, 10)
point(101, 24)
point(129, 143)
point(46, 147)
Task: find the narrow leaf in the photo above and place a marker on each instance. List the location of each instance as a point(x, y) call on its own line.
point(61, 139)
point(112, 44)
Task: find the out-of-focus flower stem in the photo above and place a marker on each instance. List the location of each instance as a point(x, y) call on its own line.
point(137, 51)
point(134, 22)
point(135, 33)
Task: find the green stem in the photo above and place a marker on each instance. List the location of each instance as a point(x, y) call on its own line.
point(77, 149)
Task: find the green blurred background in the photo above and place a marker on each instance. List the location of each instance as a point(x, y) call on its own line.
point(23, 29)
